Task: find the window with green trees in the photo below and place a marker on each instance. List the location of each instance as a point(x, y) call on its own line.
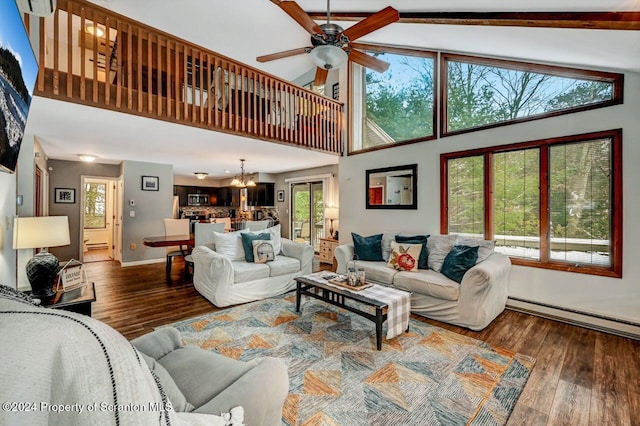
point(482, 92)
point(399, 103)
point(553, 203)
point(95, 205)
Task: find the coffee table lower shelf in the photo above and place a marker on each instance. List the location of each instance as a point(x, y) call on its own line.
point(336, 297)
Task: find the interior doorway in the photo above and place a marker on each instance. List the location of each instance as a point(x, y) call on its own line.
point(98, 219)
point(307, 212)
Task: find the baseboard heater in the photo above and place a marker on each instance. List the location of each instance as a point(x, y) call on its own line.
point(96, 246)
point(596, 322)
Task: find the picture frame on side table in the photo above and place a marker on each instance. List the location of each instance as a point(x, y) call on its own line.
point(150, 183)
point(65, 196)
point(281, 196)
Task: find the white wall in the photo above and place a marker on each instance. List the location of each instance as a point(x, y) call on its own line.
point(7, 212)
point(611, 297)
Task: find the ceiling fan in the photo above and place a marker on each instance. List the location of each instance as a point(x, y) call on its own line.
point(330, 44)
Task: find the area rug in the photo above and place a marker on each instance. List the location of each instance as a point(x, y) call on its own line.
point(427, 376)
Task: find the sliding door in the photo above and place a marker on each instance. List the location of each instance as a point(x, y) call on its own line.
point(307, 212)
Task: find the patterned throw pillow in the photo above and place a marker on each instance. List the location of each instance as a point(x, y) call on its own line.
point(404, 257)
point(263, 251)
point(417, 239)
point(247, 240)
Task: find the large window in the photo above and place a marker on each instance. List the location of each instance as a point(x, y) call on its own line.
point(553, 203)
point(397, 105)
point(95, 205)
point(483, 93)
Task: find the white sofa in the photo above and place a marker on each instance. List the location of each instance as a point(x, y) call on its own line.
point(473, 303)
point(225, 282)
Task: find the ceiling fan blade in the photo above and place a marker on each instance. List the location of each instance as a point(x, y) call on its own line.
point(321, 77)
point(374, 22)
point(284, 54)
point(292, 9)
point(368, 61)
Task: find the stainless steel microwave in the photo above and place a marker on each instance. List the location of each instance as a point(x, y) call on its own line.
point(198, 200)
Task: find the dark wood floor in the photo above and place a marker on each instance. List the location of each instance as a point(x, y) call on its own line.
point(581, 377)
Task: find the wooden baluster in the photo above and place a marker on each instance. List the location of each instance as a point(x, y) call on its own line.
point(159, 75)
point(243, 94)
point(119, 68)
point(43, 48)
point(129, 67)
point(185, 80)
point(193, 85)
point(210, 98)
point(226, 97)
point(139, 85)
point(202, 86)
point(168, 85)
point(256, 98)
point(217, 90)
point(107, 61)
point(149, 72)
point(262, 106)
point(56, 53)
point(176, 78)
point(94, 85)
point(83, 59)
point(69, 50)
point(236, 102)
point(277, 85)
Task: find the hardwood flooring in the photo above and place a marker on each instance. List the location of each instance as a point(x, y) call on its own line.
point(581, 376)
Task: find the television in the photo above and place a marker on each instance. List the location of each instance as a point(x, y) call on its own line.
point(18, 73)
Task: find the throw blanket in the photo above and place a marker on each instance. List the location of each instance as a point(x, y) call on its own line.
point(61, 368)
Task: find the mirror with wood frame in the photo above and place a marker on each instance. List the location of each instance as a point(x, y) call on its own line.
point(393, 187)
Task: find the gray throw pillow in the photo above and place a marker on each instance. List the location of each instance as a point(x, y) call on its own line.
point(438, 246)
point(174, 394)
point(387, 238)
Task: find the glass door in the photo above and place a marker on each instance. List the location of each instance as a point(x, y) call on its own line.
point(307, 218)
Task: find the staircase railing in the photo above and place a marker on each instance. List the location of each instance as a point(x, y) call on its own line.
point(95, 57)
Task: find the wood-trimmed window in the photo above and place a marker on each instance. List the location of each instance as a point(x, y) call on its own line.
point(480, 93)
point(396, 107)
point(553, 203)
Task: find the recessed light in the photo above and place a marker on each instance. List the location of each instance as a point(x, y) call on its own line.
point(227, 171)
point(87, 158)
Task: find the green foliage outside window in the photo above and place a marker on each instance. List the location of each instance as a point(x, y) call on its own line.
point(95, 205)
point(399, 102)
point(479, 95)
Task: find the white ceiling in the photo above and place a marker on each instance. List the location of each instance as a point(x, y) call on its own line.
point(249, 28)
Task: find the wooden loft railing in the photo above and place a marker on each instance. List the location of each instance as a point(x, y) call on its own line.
point(95, 57)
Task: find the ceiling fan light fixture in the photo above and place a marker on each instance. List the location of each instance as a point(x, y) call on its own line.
point(329, 57)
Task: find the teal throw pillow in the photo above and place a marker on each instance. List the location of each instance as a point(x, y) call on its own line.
point(247, 243)
point(367, 248)
point(417, 239)
point(459, 260)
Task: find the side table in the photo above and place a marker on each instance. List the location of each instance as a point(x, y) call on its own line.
point(78, 300)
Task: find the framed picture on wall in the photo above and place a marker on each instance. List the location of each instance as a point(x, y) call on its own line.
point(65, 196)
point(281, 195)
point(150, 183)
point(336, 91)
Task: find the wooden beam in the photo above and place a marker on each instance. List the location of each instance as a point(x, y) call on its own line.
point(575, 20)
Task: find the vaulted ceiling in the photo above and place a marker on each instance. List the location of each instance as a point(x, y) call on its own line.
point(249, 28)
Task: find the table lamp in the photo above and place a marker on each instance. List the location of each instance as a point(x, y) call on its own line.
point(41, 232)
point(331, 213)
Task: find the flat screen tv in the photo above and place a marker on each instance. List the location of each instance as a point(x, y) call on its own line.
point(18, 72)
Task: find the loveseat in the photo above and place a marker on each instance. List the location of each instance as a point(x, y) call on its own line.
point(63, 368)
point(224, 276)
point(473, 303)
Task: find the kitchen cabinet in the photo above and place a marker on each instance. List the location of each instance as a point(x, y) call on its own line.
point(183, 191)
point(261, 195)
point(228, 197)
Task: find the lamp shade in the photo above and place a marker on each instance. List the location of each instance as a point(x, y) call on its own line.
point(329, 57)
point(331, 213)
point(40, 232)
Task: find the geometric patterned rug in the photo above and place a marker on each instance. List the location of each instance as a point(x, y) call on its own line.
point(427, 376)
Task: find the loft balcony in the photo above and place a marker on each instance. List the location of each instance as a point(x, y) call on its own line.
point(95, 57)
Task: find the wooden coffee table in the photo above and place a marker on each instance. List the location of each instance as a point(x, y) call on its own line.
point(335, 296)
